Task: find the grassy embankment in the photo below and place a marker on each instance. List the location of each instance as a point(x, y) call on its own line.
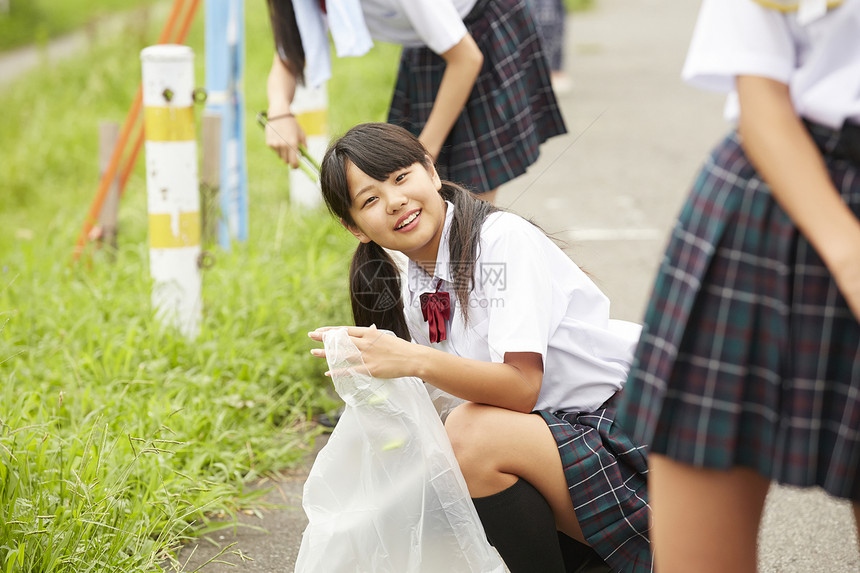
point(116, 434)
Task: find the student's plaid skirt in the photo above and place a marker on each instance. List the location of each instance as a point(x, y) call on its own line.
point(749, 354)
point(511, 110)
point(605, 474)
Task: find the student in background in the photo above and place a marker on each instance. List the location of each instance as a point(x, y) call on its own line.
point(473, 83)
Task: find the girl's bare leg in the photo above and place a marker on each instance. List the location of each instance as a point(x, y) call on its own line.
point(495, 447)
point(704, 520)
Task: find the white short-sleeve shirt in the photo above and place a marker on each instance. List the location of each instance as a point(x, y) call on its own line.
point(529, 296)
point(437, 24)
point(819, 60)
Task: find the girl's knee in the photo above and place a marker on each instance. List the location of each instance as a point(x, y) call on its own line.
point(463, 427)
point(481, 436)
point(469, 428)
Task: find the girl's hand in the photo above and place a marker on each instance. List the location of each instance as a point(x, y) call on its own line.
point(284, 136)
point(384, 355)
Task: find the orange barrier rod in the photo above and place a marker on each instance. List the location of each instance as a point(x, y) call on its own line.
point(186, 24)
point(109, 174)
point(171, 19)
point(130, 121)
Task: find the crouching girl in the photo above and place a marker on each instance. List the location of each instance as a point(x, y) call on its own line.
point(494, 313)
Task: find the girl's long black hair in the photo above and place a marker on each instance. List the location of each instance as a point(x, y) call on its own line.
point(288, 41)
point(379, 149)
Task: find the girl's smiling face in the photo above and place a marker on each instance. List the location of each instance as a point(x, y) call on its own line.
point(405, 212)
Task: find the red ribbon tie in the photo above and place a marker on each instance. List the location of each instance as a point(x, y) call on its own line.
point(436, 308)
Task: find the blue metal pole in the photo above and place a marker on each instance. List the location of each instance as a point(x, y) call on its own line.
point(225, 67)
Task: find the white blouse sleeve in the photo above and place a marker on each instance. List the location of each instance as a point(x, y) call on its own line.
point(738, 37)
point(436, 22)
point(514, 274)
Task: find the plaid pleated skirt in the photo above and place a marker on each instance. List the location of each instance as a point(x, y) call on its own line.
point(511, 110)
point(749, 354)
point(605, 472)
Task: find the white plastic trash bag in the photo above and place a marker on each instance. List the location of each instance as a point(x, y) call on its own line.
point(386, 494)
point(442, 401)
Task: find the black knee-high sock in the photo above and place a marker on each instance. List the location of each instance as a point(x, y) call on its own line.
point(519, 523)
point(580, 558)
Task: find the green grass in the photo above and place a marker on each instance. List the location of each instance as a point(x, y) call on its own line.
point(118, 437)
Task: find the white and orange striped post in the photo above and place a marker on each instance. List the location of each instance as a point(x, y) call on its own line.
point(173, 198)
point(311, 108)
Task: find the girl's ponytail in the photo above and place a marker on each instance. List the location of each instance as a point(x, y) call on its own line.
point(464, 238)
point(288, 42)
point(374, 290)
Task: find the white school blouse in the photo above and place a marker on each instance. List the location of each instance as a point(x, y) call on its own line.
point(437, 24)
point(529, 296)
point(819, 60)
point(354, 24)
